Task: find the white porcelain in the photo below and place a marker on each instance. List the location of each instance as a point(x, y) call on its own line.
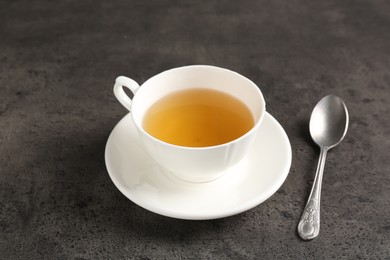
point(194, 164)
point(143, 181)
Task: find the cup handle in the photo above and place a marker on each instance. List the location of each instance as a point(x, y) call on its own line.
point(120, 94)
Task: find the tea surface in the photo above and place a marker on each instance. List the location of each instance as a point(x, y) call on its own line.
point(198, 117)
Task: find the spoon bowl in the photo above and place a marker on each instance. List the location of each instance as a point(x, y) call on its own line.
point(328, 126)
point(329, 121)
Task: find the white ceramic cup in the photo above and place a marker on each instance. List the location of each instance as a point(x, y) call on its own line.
point(193, 164)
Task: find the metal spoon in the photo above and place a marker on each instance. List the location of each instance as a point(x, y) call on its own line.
point(328, 126)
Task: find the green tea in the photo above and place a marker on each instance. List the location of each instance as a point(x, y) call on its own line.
point(198, 117)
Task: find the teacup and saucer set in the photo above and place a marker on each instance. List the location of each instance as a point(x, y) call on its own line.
point(196, 183)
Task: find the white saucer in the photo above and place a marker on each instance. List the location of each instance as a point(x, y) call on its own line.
point(141, 180)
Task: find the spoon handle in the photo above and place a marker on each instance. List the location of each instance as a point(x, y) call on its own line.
point(309, 224)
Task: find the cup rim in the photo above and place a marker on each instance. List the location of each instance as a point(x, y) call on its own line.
point(202, 148)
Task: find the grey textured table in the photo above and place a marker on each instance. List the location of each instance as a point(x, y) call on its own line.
point(58, 62)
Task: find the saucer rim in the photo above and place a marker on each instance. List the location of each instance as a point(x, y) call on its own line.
point(249, 204)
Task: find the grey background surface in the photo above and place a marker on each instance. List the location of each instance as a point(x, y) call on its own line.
point(58, 62)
